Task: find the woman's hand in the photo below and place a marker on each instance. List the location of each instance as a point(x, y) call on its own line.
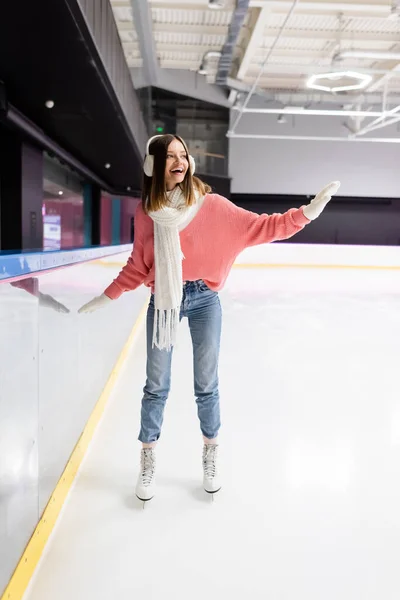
point(95, 304)
point(317, 204)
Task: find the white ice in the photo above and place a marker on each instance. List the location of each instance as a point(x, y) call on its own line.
point(310, 458)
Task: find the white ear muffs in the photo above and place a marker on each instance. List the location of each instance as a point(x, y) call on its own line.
point(148, 165)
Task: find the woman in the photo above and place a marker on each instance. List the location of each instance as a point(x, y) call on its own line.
point(186, 241)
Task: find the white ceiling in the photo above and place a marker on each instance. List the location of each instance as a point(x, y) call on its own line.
point(280, 45)
point(184, 30)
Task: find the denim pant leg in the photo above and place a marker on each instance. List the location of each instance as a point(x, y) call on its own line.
point(157, 385)
point(205, 328)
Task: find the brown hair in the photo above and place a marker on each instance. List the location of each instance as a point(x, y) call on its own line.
point(154, 194)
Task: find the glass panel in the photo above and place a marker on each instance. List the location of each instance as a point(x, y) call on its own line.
point(128, 208)
point(106, 219)
point(76, 361)
point(18, 420)
point(54, 364)
point(62, 206)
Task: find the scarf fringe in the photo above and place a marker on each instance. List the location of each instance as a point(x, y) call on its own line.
point(165, 328)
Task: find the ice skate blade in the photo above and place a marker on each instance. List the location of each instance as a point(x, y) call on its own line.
point(213, 492)
point(144, 500)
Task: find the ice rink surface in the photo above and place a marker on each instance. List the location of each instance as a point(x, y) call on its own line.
point(310, 455)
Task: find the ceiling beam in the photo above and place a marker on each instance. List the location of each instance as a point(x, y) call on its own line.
point(311, 68)
point(125, 26)
point(380, 81)
point(331, 35)
point(184, 4)
point(293, 110)
point(243, 88)
point(308, 97)
point(318, 6)
point(135, 63)
point(192, 29)
point(313, 138)
point(144, 28)
point(168, 63)
point(177, 48)
point(131, 46)
point(261, 53)
point(254, 40)
point(257, 59)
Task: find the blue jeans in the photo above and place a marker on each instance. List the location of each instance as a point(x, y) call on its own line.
point(202, 308)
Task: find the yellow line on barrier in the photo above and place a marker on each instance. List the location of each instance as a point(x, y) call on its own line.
point(283, 266)
point(34, 549)
point(104, 263)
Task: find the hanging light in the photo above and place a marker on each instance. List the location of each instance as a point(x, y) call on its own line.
point(357, 81)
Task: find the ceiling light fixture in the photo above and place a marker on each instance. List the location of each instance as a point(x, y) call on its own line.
point(107, 165)
point(49, 104)
point(60, 193)
point(361, 81)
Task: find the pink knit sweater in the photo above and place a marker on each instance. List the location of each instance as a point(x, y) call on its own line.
point(210, 243)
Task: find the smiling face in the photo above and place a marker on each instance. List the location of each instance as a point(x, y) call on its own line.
point(176, 165)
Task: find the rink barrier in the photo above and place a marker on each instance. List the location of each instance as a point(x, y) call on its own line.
point(283, 266)
point(24, 264)
point(307, 256)
point(30, 558)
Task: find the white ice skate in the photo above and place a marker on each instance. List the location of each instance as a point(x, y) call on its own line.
point(145, 487)
point(211, 480)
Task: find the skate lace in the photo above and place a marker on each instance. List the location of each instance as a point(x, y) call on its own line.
point(210, 460)
point(148, 466)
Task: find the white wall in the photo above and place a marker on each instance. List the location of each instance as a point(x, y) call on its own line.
point(260, 166)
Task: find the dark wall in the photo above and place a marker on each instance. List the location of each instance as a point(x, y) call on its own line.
point(21, 193)
point(220, 185)
point(364, 221)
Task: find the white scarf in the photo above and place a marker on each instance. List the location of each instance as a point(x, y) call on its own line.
point(168, 257)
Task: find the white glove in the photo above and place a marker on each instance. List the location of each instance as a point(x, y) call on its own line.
point(95, 304)
point(317, 204)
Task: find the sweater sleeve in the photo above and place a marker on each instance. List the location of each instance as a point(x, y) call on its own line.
point(251, 229)
point(135, 271)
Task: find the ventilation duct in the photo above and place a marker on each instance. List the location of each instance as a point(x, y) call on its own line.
point(225, 62)
point(217, 4)
point(203, 70)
